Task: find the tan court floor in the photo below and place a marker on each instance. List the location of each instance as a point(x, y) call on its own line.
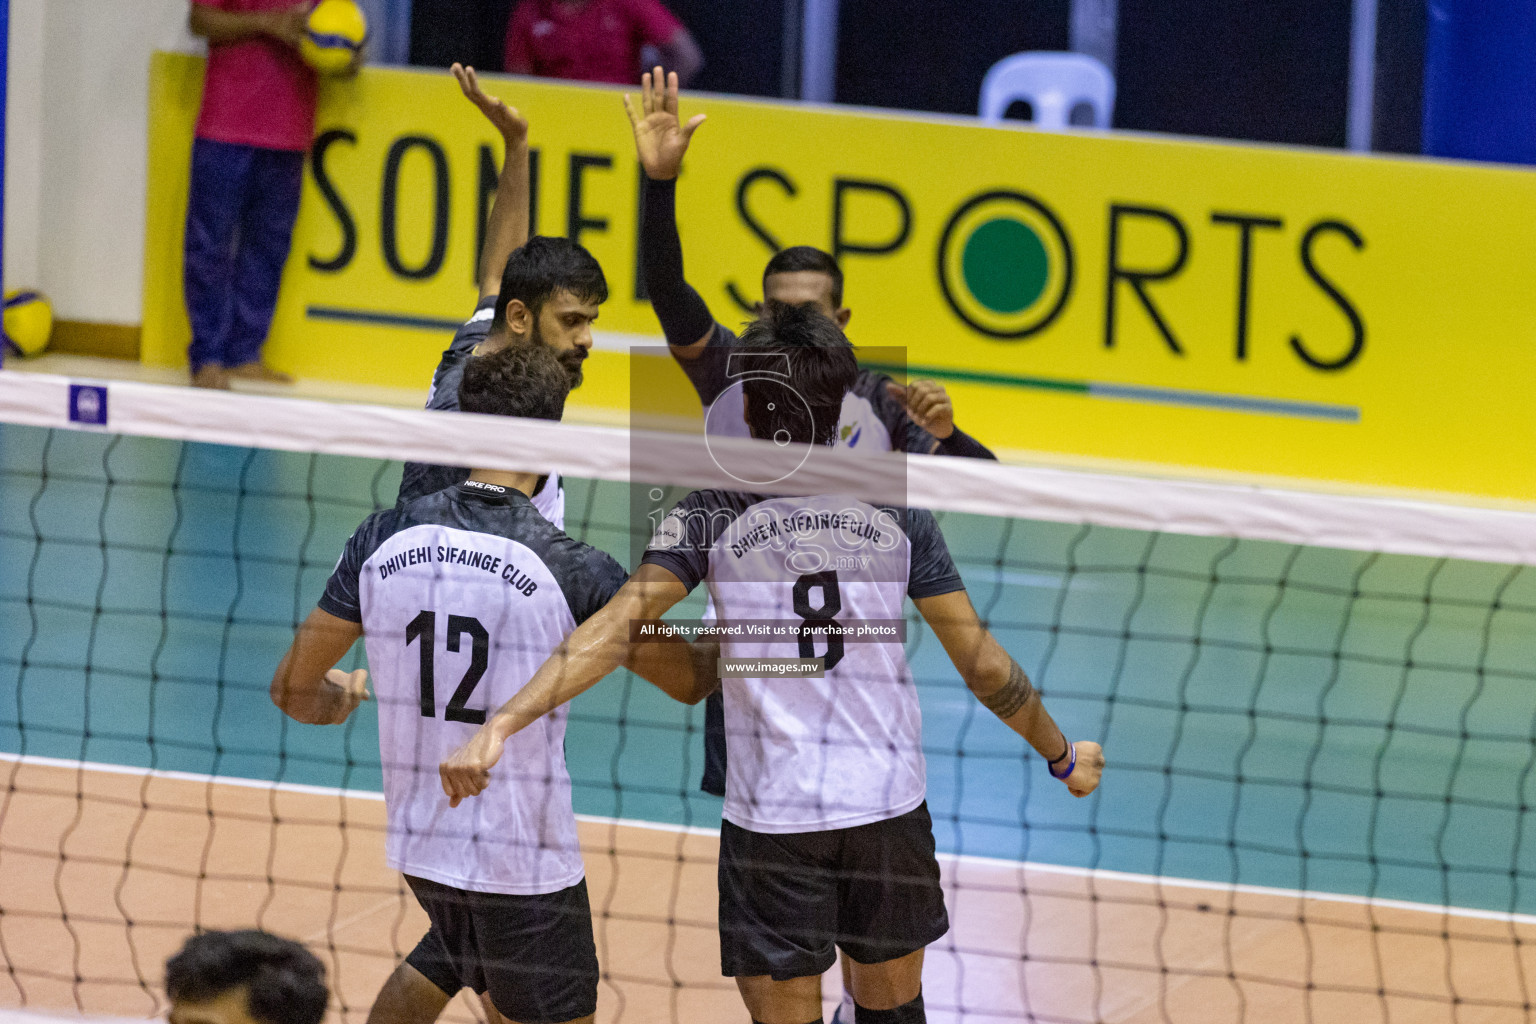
point(103, 874)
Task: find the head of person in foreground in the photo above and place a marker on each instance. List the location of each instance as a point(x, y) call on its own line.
point(526, 379)
point(798, 367)
point(245, 977)
point(551, 290)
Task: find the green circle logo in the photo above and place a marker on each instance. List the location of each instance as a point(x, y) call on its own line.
point(1005, 264)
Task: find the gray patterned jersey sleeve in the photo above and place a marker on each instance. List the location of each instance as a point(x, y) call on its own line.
point(709, 373)
point(682, 542)
point(343, 591)
point(602, 578)
point(932, 571)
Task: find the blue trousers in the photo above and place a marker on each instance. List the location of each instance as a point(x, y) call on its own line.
point(240, 212)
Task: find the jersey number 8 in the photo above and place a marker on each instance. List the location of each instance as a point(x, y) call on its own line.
point(831, 604)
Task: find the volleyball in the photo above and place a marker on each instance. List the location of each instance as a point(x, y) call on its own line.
point(28, 321)
point(336, 31)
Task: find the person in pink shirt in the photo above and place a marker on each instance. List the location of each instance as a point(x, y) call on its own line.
point(598, 40)
point(255, 125)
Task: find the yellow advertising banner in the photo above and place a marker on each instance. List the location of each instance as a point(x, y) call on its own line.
point(1193, 305)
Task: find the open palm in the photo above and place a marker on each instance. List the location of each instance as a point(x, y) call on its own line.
point(661, 138)
point(512, 125)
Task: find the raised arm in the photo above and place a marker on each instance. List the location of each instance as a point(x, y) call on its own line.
point(661, 141)
point(1004, 689)
point(594, 649)
point(507, 226)
point(218, 26)
point(307, 686)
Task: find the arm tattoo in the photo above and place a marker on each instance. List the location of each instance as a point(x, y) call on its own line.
point(1016, 692)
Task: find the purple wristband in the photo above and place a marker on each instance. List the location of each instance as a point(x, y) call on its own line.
point(1070, 757)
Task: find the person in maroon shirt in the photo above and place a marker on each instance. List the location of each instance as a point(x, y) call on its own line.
point(598, 40)
point(253, 129)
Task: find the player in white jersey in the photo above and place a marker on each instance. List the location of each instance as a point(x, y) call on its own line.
point(826, 841)
point(460, 596)
point(877, 415)
point(544, 290)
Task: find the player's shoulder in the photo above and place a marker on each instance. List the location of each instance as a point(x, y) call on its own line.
point(485, 310)
point(910, 521)
point(698, 520)
point(430, 509)
point(473, 331)
point(444, 394)
point(588, 559)
point(721, 337)
point(537, 532)
point(717, 347)
point(871, 386)
point(586, 575)
point(564, 555)
point(720, 502)
point(515, 519)
point(389, 520)
point(870, 381)
point(376, 530)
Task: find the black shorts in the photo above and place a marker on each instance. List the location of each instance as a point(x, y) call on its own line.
point(533, 954)
point(431, 960)
point(787, 898)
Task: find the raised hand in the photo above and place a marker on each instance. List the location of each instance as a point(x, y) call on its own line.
point(512, 125)
point(467, 771)
point(928, 406)
point(661, 138)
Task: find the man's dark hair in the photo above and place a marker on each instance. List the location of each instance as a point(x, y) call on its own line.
point(285, 982)
point(519, 380)
point(799, 258)
point(542, 266)
point(803, 342)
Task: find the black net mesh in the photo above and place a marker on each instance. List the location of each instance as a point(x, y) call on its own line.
point(1315, 810)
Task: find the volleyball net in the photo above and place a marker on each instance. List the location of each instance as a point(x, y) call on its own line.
point(1318, 713)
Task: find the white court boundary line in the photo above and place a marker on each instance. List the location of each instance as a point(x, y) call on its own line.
point(58, 1017)
point(1359, 523)
point(1093, 874)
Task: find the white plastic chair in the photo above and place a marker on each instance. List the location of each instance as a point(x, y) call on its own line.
point(1053, 84)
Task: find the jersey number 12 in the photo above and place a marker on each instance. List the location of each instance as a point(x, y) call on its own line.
point(424, 628)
